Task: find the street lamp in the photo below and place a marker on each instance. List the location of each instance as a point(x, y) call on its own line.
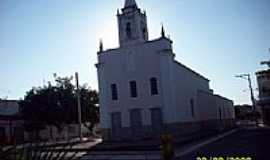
point(247, 77)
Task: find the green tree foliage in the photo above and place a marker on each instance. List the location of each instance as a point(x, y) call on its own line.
point(242, 110)
point(57, 105)
point(246, 112)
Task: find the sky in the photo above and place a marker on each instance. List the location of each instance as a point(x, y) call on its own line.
point(216, 38)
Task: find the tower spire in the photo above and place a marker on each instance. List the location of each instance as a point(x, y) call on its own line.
point(130, 3)
point(100, 45)
point(162, 31)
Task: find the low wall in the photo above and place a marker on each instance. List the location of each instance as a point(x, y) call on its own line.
point(51, 133)
point(181, 129)
point(266, 115)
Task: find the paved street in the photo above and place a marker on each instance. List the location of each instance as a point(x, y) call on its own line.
point(250, 142)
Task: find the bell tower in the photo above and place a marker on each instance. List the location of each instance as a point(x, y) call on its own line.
point(132, 24)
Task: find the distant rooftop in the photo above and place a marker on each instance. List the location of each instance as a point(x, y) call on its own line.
point(9, 107)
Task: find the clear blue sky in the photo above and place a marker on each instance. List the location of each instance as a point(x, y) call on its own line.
point(217, 38)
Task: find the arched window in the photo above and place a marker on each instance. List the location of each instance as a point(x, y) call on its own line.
point(128, 30)
point(153, 85)
point(144, 33)
point(220, 114)
point(143, 29)
point(114, 92)
point(192, 107)
point(133, 89)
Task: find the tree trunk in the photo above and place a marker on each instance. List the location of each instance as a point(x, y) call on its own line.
point(51, 133)
point(37, 135)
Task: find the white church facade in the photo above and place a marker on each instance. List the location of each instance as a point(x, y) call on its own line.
point(144, 91)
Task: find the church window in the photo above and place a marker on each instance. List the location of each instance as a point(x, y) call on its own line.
point(228, 112)
point(143, 29)
point(133, 89)
point(220, 113)
point(192, 108)
point(144, 33)
point(153, 85)
point(224, 113)
point(128, 30)
point(114, 92)
point(265, 90)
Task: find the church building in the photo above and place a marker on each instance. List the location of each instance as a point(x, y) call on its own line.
point(144, 91)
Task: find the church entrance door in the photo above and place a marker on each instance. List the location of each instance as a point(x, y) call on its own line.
point(156, 120)
point(116, 125)
point(136, 123)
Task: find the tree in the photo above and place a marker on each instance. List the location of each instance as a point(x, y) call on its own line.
point(242, 110)
point(246, 112)
point(56, 105)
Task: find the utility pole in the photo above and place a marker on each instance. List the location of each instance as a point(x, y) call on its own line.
point(79, 106)
point(247, 77)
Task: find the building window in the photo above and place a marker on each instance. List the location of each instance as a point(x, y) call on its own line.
point(224, 113)
point(154, 87)
point(220, 114)
point(263, 89)
point(144, 33)
point(133, 89)
point(192, 108)
point(128, 30)
point(2, 133)
point(114, 92)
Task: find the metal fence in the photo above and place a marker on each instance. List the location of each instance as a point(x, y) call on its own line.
point(40, 151)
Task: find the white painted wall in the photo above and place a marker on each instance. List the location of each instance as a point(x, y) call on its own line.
point(140, 60)
point(206, 106)
point(226, 107)
point(177, 85)
point(120, 66)
point(186, 83)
